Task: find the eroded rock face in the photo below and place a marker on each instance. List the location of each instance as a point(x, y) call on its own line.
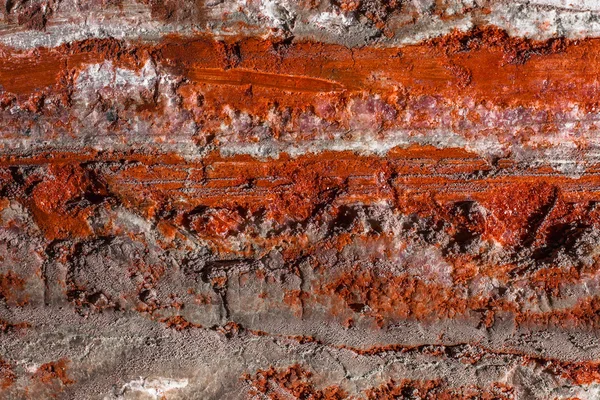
point(315, 199)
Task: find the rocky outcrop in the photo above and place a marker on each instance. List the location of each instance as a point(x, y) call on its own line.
point(354, 199)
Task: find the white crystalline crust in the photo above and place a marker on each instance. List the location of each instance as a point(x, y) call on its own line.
point(133, 20)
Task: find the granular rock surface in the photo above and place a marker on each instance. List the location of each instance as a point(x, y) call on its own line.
point(310, 199)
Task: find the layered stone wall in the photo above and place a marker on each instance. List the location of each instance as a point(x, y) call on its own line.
point(311, 199)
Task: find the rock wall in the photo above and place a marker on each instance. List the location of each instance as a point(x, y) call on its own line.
point(311, 199)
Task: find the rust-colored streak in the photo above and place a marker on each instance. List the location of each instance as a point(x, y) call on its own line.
point(416, 180)
point(538, 73)
point(247, 77)
point(423, 69)
point(26, 73)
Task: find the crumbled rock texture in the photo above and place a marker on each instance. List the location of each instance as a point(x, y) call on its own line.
point(299, 199)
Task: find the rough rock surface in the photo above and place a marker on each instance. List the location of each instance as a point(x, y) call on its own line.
point(299, 199)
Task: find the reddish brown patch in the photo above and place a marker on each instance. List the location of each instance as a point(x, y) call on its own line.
point(60, 202)
point(516, 50)
point(438, 389)
point(579, 373)
point(384, 296)
point(12, 288)
point(179, 323)
point(294, 381)
point(216, 222)
point(230, 329)
point(219, 282)
point(6, 326)
point(203, 299)
point(32, 14)
point(175, 10)
point(517, 211)
point(7, 375)
point(295, 299)
point(54, 372)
